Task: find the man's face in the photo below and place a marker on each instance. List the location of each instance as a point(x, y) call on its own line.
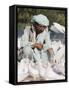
point(39, 28)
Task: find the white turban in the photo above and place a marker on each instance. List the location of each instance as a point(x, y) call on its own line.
point(40, 19)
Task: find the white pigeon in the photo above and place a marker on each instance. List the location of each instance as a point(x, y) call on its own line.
point(63, 28)
point(46, 72)
point(56, 45)
point(57, 28)
point(59, 55)
point(51, 75)
point(59, 69)
point(23, 69)
point(41, 68)
point(59, 65)
point(33, 71)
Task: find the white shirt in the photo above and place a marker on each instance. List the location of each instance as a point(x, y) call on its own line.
point(29, 38)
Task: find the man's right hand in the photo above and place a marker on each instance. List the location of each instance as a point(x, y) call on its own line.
point(37, 45)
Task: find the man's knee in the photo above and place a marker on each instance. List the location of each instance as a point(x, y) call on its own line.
point(27, 52)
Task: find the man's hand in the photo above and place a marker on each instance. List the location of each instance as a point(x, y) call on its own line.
point(52, 59)
point(37, 45)
point(51, 55)
point(50, 50)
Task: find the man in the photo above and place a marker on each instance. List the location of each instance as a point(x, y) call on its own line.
point(36, 41)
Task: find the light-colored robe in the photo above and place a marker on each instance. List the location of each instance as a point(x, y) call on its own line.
point(29, 38)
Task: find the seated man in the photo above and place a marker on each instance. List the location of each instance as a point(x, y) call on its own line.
point(36, 41)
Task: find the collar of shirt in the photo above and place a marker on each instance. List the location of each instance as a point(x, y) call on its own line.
point(45, 31)
point(40, 37)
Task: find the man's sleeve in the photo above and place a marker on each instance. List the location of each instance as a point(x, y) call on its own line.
point(25, 37)
point(47, 44)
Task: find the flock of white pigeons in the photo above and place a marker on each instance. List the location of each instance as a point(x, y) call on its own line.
point(30, 71)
